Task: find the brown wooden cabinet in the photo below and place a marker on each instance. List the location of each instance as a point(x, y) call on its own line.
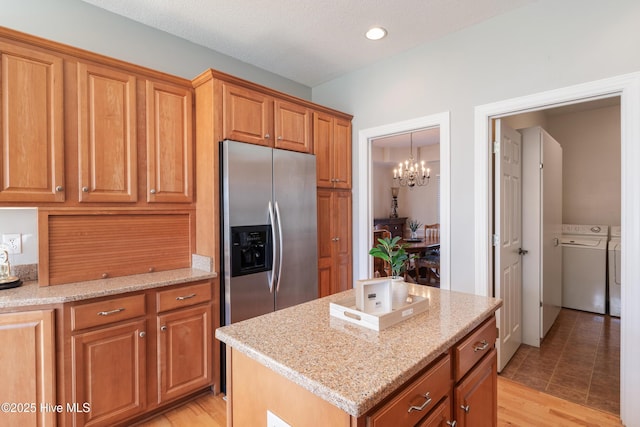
point(134, 353)
point(184, 340)
point(394, 225)
point(258, 118)
point(334, 241)
point(31, 125)
point(28, 368)
point(107, 135)
point(169, 115)
point(109, 373)
point(476, 395)
point(332, 147)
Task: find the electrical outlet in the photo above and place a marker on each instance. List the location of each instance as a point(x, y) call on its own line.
point(13, 242)
point(274, 421)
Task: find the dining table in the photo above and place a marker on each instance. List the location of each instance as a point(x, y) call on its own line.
point(416, 246)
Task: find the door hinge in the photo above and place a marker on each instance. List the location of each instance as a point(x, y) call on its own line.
point(496, 147)
point(541, 165)
point(495, 239)
point(497, 332)
point(540, 304)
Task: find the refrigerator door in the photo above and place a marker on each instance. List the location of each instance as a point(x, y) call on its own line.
point(246, 193)
point(294, 189)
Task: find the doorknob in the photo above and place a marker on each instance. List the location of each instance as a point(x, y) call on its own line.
point(522, 251)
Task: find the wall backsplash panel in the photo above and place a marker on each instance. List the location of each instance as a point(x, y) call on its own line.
point(25, 222)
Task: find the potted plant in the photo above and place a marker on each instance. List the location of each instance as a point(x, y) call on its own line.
point(390, 250)
point(413, 226)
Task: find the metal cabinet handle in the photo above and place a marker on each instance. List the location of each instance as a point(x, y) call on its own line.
point(465, 408)
point(184, 297)
point(142, 334)
point(59, 188)
point(279, 138)
point(481, 346)
point(452, 424)
point(267, 136)
point(105, 275)
point(152, 191)
point(163, 328)
point(424, 405)
point(108, 313)
point(85, 189)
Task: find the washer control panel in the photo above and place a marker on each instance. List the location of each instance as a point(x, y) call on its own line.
point(586, 229)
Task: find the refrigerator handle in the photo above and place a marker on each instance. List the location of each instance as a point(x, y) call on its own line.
point(272, 279)
point(279, 219)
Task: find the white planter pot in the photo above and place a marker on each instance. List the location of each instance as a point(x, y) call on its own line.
point(399, 292)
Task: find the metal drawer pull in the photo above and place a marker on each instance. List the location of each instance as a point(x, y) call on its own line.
point(108, 313)
point(483, 346)
point(185, 297)
point(452, 424)
point(421, 407)
point(465, 408)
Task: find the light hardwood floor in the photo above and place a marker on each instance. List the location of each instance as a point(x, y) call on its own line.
point(517, 406)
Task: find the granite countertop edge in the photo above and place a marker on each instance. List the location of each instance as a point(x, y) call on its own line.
point(32, 294)
point(349, 405)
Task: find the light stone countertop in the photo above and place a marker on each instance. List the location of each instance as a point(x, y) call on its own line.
point(350, 366)
point(31, 294)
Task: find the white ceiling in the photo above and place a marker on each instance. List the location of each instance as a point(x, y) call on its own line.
point(308, 41)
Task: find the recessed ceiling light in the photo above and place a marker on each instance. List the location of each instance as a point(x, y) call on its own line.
point(376, 33)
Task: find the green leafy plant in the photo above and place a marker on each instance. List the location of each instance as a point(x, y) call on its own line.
point(389, 250)
point(414, 225)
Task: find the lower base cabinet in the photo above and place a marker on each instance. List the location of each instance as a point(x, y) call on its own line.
point(136, 353)
point(27, 371)
point(475, 395)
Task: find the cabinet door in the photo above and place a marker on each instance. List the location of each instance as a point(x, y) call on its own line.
point(292, 126)
point(341, 227)
point(108, 369)
point(31, 125)
point(322, 140)
point(247, 115)
point(107, 152)
point(28, 367)
point(342, 153)
point(325, 242)
point(334, 241)
point(169, 143)
point(476, 396)
point(184, 351)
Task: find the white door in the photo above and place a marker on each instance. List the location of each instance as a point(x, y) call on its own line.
point(551, 268)
point(507, 274)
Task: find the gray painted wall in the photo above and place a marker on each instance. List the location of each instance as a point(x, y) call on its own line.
point(79, 24)
point(546, 45)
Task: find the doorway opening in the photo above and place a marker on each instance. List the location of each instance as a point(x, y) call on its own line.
point(628, 88)
point(365, 208)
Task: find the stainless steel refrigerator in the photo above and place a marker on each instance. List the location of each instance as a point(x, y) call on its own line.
point(269, 229)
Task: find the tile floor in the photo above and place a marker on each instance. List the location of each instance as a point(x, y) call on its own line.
point(578, 360)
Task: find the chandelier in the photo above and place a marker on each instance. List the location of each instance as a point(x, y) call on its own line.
point(408, 174)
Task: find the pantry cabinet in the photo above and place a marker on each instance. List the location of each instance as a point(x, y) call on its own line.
point(28, 368)
point(107, 135)
point(334, 241)
point(31, 125)
point(258, 118)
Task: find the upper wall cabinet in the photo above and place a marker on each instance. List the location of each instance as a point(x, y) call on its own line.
point(107, 141)
point(31, 124)
point(169, 143)
point(332, 146)
point(257, 118)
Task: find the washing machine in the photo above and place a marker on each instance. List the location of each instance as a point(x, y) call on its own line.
point(614, 271)
point(584, 267)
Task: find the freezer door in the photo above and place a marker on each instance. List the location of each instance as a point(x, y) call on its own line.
point(294, 189)
point(246, 180)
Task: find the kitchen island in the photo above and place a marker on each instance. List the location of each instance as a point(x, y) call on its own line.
point(309, 368)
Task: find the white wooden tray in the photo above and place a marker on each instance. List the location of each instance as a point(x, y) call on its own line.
point(345, 309)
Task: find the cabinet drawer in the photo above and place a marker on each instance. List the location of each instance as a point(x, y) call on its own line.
point(184, 296)
point(412, 404)
point(473, 348)
point(107, 311)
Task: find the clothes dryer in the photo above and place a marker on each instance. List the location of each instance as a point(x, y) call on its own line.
point(615, 279)
point(584, 267)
